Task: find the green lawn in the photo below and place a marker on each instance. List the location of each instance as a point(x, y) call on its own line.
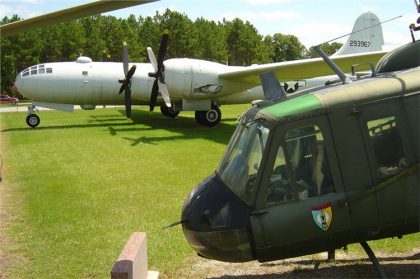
point(77, 186)
point(81, 183)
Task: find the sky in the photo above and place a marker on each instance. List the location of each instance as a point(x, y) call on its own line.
point(312, 21)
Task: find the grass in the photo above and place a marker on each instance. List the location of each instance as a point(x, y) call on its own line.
point(87, 180)
point(79, 184)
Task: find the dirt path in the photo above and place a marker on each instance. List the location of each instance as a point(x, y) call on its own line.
point(402, 265)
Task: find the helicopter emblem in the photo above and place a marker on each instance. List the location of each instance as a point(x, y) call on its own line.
point(322, 216)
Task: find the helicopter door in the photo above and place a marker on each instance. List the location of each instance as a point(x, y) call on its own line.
point(298, 210)
point(391, 157)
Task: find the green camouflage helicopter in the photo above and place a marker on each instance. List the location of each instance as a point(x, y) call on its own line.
point(317, 170)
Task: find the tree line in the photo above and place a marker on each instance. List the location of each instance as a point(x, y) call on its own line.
point(235, 42)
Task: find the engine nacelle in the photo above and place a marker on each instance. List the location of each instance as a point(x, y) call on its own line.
point(187, 78)
point(88, 107)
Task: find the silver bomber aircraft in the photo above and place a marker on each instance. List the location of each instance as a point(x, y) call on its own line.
point(182, 84)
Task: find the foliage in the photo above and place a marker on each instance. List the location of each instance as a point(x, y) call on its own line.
point(326, 47)
point(229, 42)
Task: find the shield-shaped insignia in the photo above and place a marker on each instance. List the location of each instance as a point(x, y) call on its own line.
point(322, 215)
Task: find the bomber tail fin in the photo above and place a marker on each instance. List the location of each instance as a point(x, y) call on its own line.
point(367, 40)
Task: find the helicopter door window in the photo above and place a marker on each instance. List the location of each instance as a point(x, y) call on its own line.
point(308, 159)
point(387, 146)
point(279, 189)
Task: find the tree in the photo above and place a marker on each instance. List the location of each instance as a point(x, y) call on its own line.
point(72, 39)
point(242, 40)
point(182, 42)
point(17, 53)
point(149, 34)
point(211, 41)
point(286, 48)
point(94, 44)
point(113, 36)
point(328, 48)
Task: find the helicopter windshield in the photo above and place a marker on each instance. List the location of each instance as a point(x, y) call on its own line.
point(239, 167)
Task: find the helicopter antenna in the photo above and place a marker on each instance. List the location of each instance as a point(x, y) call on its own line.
point(343, 77)
point(413, 27)
point(357, 31)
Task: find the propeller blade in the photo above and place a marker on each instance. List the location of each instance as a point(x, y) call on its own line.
point(153, 96)
point(164, 92)
point(131, 72)
point(104, 56)
point(125, 58)
point(122, 88)
point(127, 100)
point(127, 79)
point(162, 49)
point(159, 84)
point(152, 58)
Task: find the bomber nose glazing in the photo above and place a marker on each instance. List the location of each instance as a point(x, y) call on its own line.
point(217, 223)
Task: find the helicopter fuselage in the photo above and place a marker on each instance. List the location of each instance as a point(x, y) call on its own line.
point(315, 172)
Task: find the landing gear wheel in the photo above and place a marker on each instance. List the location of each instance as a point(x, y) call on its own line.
point(209, 118)
point(33, 120)
point(168, 112)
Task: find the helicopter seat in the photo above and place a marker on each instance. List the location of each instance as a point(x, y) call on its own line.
point(321, 175)
point(317, 174)
point(386, 144)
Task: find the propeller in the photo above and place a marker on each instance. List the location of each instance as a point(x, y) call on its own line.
point(159, 85)
point(126, 83)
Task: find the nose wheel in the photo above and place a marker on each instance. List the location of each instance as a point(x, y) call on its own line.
point(32, 120)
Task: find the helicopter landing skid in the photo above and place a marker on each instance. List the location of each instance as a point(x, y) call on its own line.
point(373, 259)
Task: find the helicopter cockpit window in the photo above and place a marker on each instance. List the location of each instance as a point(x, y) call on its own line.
point(240, 166)
point(387, 147)
point(308, 159)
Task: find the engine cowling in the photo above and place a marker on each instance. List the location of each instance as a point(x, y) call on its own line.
point(188, 78)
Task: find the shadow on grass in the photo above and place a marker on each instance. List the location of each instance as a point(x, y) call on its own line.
point(116, 124)
point(186, 127)
point(354, 268)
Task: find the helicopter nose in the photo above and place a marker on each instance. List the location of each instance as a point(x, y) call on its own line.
point(218, 222)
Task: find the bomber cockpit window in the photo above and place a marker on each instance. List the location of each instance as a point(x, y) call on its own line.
point(41, 69)
point(387, 146)
point(25, 72)
point(34, 70)
point(49, 70)
point(240, 166)
point(308, 159)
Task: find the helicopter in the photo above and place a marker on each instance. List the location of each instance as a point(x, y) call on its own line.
point(317, 170)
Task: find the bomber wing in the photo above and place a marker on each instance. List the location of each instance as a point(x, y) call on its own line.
point(299, 69)
point(88, 9)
